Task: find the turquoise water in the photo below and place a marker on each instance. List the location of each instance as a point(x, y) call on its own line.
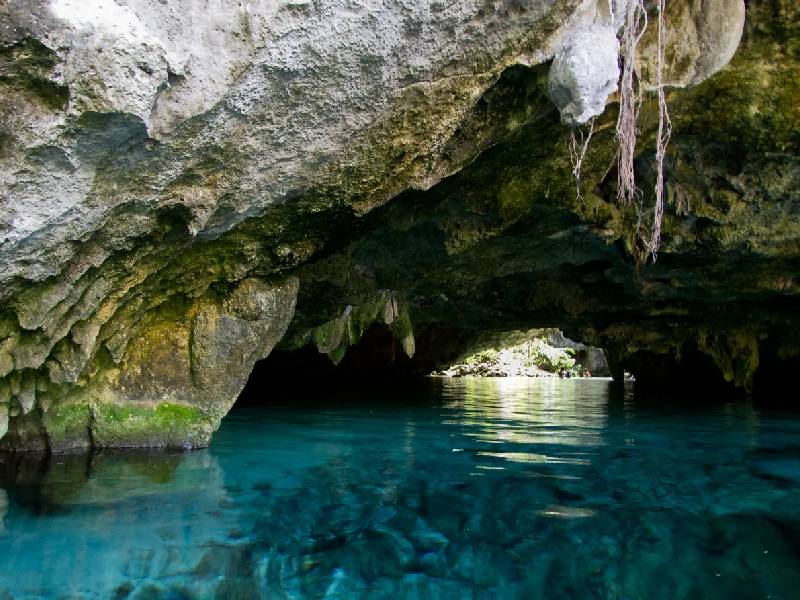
point(472, 488)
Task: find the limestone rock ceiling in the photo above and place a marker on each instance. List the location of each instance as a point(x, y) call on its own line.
point(161, 161)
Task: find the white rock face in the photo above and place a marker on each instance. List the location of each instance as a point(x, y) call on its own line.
point(285, 94)
point(585, 73)
point(282, 91)
point(701, 38)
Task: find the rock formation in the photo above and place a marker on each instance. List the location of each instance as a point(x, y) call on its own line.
point(176, 176)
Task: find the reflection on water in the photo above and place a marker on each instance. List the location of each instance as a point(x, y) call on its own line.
point(479, 488)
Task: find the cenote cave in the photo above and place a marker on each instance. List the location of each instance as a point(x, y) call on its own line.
point(399, 299)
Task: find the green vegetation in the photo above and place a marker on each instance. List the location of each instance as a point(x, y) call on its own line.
point(67, 425)
point(26, 65)
point(164, 412)
point(484, 356)
point(532, 358)
point(166, 425)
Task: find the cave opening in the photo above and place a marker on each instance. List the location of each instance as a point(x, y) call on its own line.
point(377, 364)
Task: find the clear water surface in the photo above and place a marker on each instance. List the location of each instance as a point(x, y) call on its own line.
point(472, 488)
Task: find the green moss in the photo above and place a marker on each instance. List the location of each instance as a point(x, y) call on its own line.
point(403, 331)
point(165, 425)
point(25, 66)
point(515, 200)
point(736, 354)
point(67, 426)
point(328, 336)
point(162, 413)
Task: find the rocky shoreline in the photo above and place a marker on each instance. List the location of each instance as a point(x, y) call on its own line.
point(547, 353)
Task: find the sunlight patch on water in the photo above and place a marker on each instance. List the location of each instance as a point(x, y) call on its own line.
point(529, 457)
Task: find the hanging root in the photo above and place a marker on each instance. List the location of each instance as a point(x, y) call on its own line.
point(664, 133)
point(630, 100)
point(630, 103)
point(577, 151)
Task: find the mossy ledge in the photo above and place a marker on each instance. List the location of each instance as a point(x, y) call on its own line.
point(163, 426)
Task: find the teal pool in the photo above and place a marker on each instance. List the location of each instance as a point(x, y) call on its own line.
point(466, 488)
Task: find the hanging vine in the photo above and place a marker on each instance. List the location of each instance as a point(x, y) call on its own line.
point(664, 133)
point(578, 146)
point(630, 87)
point(630, 101)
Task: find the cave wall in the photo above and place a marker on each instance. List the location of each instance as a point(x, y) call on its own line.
point(165, 181)
point(155, 155)
point(508, 244)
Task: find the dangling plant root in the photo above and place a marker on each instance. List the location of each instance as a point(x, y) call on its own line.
point(577, 151)
point(664, 133)
point(630, 100)
point(627, 133)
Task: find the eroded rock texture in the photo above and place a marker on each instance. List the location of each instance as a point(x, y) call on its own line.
point(170, 171)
